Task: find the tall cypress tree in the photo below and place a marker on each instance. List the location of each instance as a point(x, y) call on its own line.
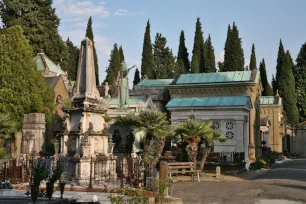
point(267, 90)
point(233, 52)
point(136, 77)
point(286, 85)
point(121, 54)
point(253, 59)
point(210, 63)
point(274, 85)
point(147, 64)
point(299, 73)
point(198, 52)
point(72, 60)
point(90, 35)
point(183, 53)
point(114, 66)
point(40, 24)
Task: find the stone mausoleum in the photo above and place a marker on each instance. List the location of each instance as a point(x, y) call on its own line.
point(231, 100)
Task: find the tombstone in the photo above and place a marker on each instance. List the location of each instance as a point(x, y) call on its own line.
point(218, 171)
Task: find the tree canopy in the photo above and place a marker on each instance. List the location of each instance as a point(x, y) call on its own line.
point(198, 52)
point(114, 66)
point(23, 89)
point(147, 63)
point(267, 90)
point(183, 53)
point(253, 64)
point(210, 63)
point(90, 35)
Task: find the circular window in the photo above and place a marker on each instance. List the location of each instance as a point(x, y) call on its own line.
point(215, 125)
point(229, 126)
point(229, 135)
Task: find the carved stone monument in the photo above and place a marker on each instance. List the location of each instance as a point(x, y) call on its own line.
point(85, 136)
point(33, 133)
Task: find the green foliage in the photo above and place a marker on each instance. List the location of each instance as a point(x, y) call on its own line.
point(40, 24)
point(233, 52)
point(121, 54)
point(253, 64)
point(114, 66)
point(3, 154)
point(179, 67)
point(8, 128)
point(299, 73)
point(72, 60)
point(90, 35)
point(267, 90)
point(220, 66)
point(258, 164)
point(58, 169)
point(198, 52)
point(147, 62)
point(162, 186)
point(23, 89)
point(210, 64)
point(107, 118)
point(164, 61)
point(136, 77)
point(41, 170)
point(135, 196)
point(183, 54)
point(274, 85)
point(286, 85)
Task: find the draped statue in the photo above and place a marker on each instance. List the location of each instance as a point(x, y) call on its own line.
point(124, 85)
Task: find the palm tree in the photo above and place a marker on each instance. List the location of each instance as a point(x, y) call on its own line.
point(154, 124)
point(192, 131)
point(209, 140)
point(130, 121)
point(8, 127)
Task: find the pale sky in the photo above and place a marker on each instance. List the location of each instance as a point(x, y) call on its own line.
point(261, 22)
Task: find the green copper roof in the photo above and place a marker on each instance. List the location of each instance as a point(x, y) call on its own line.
point(214, 101)
point(270, 100)
point(40, 58)
point(155, 82)
point(217, 77)
point(132, 100)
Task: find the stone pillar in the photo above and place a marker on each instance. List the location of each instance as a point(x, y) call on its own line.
point(246, 143)
point(64, 145)
point(240, 136)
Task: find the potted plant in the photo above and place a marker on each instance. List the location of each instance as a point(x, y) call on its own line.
point(40, 171)
point(56, 173)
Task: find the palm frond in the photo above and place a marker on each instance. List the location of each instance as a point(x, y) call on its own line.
point(129, 120)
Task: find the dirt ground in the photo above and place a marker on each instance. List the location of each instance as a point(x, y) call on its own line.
point(286, 182)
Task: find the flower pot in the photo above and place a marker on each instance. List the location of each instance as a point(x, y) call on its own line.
point(62, 188)
point(50, 188)
point(34, 193)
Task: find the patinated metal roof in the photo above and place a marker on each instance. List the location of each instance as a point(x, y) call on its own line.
point(52, 81)
point(270, 100)
point(218, 77)
point(42, 61)
point(155, 82)
point(132, 100)
point(212, 101)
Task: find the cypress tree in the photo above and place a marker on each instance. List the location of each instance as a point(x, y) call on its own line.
point(233, 52)
point(267, 90)
point(90, 35)
point(179, 67)
point(198, 53)
point(136, 77)
point(121, 54)
point(286, 85)
point(220, 66)
point(40, 24)
point(159, 51)
point(114, 66)
point(299, 73)
point(253, 59)
point(274, 86)
point(23, 89)
point(210, 63)
point(183, 53)
point(147, 64)
point(72, 60)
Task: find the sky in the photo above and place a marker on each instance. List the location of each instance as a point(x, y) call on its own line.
point(260, 22)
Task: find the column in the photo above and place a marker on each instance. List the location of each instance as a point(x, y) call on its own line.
point(239, 136)
point(64, 145)
point(246, 142)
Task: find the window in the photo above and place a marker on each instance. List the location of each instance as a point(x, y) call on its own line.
point(230, 130)
point(215, 125)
